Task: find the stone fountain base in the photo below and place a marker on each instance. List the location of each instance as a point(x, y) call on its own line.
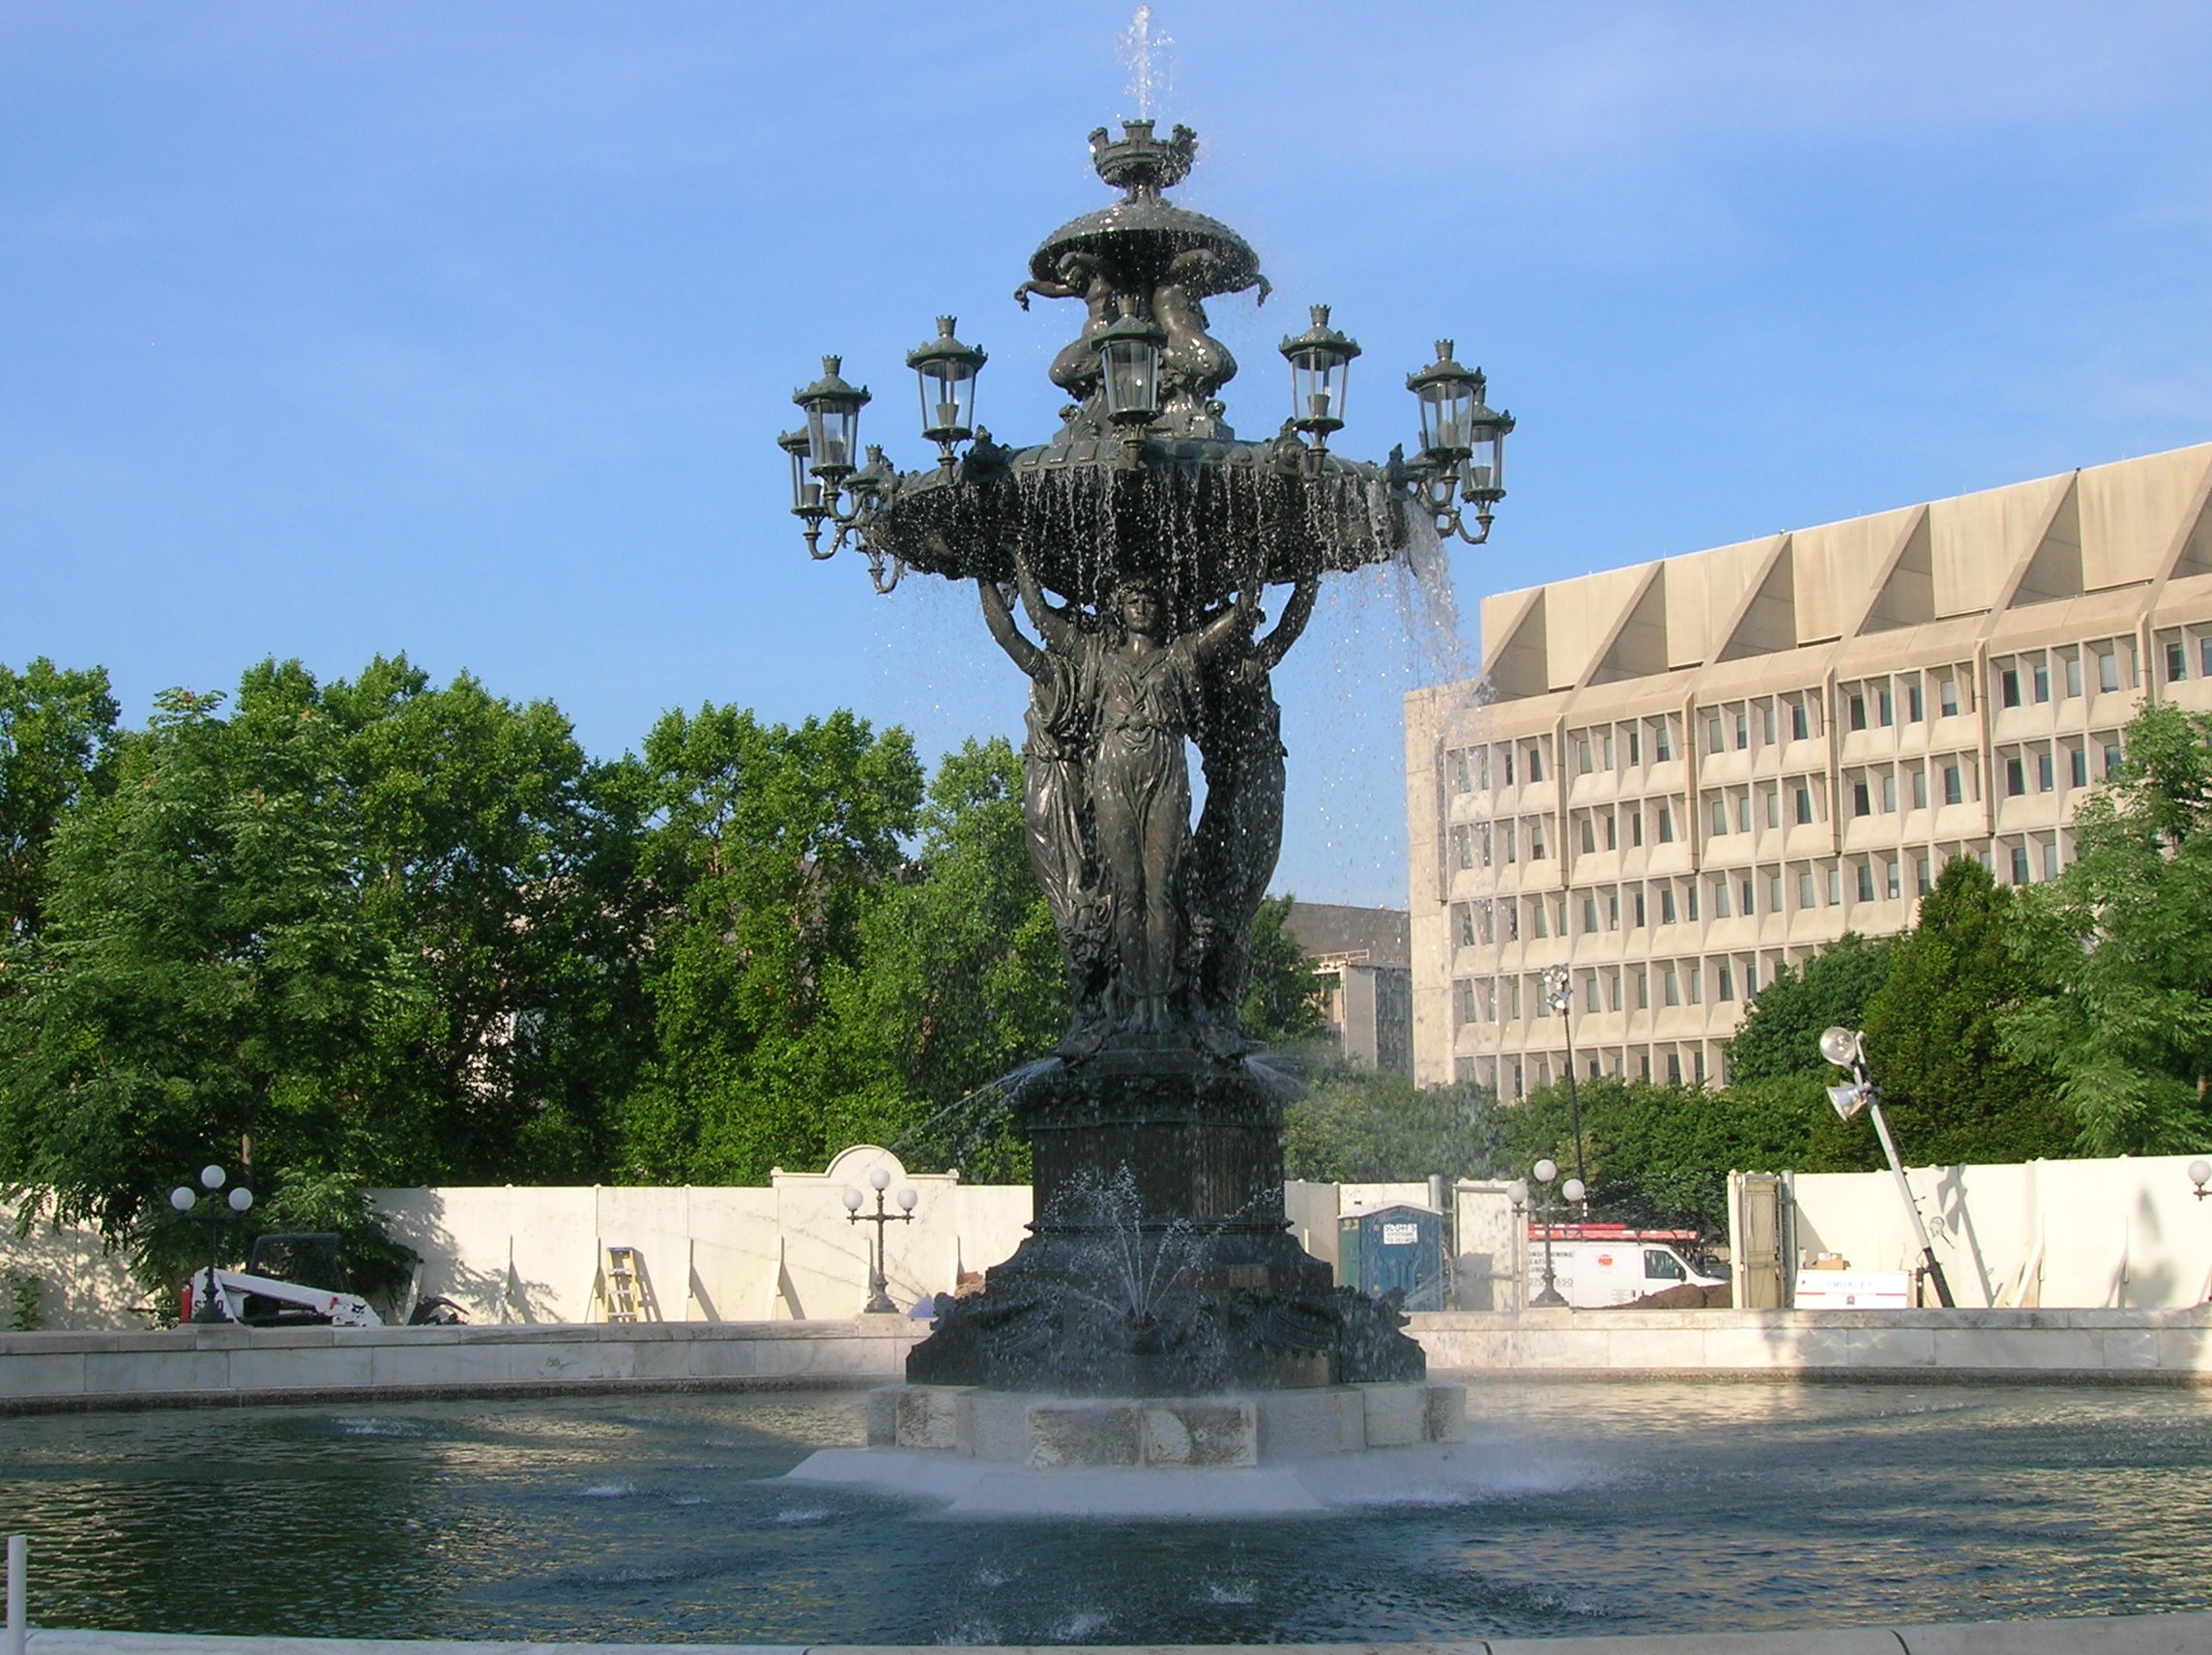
point(986, 1453)
point(1056, 1433)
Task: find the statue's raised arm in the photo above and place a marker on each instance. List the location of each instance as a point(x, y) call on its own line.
point(1269, 651)
point(999, 616)
point(1053, 624)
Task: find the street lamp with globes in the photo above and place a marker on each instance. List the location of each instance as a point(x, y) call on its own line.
point(878, 1284)
point(1572, 1192)
point(209, 1306)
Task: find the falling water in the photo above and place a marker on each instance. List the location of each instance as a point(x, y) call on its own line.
point(1150, 60)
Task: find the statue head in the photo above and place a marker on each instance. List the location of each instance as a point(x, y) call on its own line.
point(1138, 604)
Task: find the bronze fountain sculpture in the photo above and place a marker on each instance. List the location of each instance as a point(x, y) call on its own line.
point(1159, 1263)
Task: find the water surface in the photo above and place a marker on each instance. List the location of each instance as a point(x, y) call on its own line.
point(1616, 1508)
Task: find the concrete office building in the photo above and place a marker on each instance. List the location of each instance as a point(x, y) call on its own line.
point(1362, 963)
point(1672, 780)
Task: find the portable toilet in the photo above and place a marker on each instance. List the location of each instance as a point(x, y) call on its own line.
point(1400, 1247)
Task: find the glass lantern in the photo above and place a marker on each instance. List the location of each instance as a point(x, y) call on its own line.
point(1484, 478)
point(1320, 363)
point(946, 370)
point(832, 420)
point(806, 491)
point(1448, 395)
point(1129, 356)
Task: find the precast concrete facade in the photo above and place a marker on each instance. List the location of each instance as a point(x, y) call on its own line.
point(1674, 779)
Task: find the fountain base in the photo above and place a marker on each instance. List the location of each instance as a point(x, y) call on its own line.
point(1062, 1433)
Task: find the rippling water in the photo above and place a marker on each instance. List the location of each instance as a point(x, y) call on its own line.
point(1626, 1507)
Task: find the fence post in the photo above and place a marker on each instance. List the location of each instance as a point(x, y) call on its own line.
point(17, 1545)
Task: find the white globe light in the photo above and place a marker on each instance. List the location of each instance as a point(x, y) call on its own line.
point(1546, 1171)
point(906, 1200)
point(1516, 1192)
point(211, 1177)
point(1573, 1190)
point(852, 1201)
point(240, 1199)
point(880, 1178)
point(183, 1199)
point(1841, 1047)
point(2200, 1173)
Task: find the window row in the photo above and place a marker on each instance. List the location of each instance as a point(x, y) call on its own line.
point(1512, 1078)
point(2035, 676)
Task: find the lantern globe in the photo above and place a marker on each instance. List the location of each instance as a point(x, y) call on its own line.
point(1320, 365)
point(1446, 395)
point(945, 371)
point(832, 420)
point(1129, 356)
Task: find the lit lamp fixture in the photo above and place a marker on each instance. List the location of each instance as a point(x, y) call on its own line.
point(878, 1284)
point(208, 1303)
point(1559, 995)
point(1846, 1048)
point(1320, 365)
point(2201, 1174)
point(947, 371)
point(1129, 356)
point(1462, 445)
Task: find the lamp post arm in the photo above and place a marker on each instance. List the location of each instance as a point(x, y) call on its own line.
point(1904, 1194)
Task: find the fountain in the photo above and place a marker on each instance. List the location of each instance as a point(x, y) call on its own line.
point(1159, 1284)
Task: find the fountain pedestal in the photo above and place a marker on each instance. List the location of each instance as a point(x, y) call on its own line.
point(1160, 1263)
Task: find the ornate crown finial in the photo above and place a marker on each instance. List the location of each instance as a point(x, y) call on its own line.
point(1140, 163)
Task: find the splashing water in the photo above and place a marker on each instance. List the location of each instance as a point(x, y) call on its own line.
point(1150, 60)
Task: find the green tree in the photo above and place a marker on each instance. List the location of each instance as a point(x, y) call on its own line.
point(57, 731)
point(1780, 1034)
point(767, 847)
point(206, 973)
point(1362, 1125)
point(1282, 999)
point(1952, 1093)
point(2124, 939)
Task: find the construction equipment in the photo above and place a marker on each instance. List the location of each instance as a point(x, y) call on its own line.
point(258, 1296)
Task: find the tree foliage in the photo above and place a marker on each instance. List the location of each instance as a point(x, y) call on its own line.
point(1362, 1126)
point(57, 731)
point(1780, 1034)
point(2123, 941)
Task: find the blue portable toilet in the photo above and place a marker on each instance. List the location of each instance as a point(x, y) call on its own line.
point(1398, 1247)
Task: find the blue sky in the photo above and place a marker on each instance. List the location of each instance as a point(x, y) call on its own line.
point(465, 329)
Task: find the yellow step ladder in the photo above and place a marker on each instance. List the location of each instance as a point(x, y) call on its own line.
point(622, 1294)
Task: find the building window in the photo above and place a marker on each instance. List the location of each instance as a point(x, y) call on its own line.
point(1674, 1068)
point(1590, 992)
point(1743, 812)
point(1857, 709)
point(1923, 880)
point(1690, 896)
point(1774, 893)
point(1636, 825)
point(2108, 669)
point(1766, 722)
point(1536, 764)
point(1720, 818)
point(1919, 787)
point(1635, 746)
point(1696, 989)
point(1589, 835)
point(1835, 886)
point(1698, 1067)
point(2008, 687)
point(1611, 830)
point(1671, 986)
point(2042, 682)
point(1485, 927)
point(2205, 656)
point(1720, 899)
point(2050, 860)
point(1947, 697)
point(1613, 990)
point(2046, 778)
point(1662, 741)
point(2019, 865)
point(1715, 741)
point(2078, 767)
point(1885, 710)
point(1666, 825)
point(1590, 915)
point(1636, 911)
point(1800, 721)
point(1581, 755)
point(1773, 806)
point(2016, 777)
point(1505, 841)
point(1725, 986)
point(1742, 731)
point(1954, 785)
point(1536, 851)
point(1915, 703)
point(1541, 928)
point(2112, 758)
point(1866, 882)
point(1862, 804)
point(1666, 905)
point(1889, 793)
point(2177, 661)
point(1747, 903)
point(1613, 911)
point(1643, 991)
point(1607, 759)
point(1804, 804)
point(2072, 674)
point(1805, 889)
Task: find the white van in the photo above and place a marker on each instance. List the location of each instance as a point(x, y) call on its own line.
point(1591, 1275)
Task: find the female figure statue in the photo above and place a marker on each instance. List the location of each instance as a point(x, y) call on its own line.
point(1055, 797)
point(1240, 829)
point(1147, 700)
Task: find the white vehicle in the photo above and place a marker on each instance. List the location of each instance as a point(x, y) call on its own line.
point(1594, 1274)
point(258, 1300)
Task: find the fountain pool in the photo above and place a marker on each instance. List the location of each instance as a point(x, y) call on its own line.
point(1606, 1509)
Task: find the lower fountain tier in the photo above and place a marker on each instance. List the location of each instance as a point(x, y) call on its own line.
point(1160, 1263)
point(1055, 1433)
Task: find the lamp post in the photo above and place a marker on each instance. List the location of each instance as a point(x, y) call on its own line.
point(209, 1306)
point(879, 1297)
point(1846, 1048)
point(1559, 995)
point(1516, 1192)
